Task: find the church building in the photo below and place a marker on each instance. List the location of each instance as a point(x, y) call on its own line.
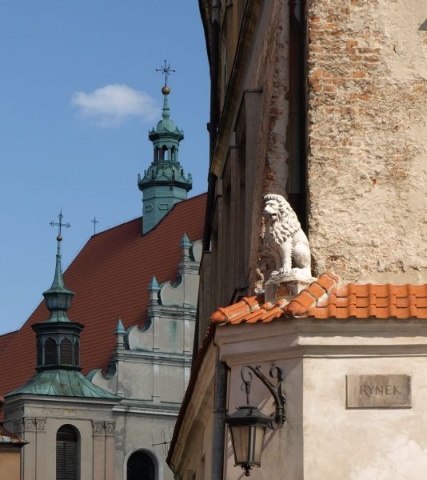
point(94, 379)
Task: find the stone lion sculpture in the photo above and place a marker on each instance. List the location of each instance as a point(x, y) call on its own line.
point(285, 239)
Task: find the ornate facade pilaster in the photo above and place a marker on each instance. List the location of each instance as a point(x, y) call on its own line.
point(98, 434)
point(110, 429)
point(98, 428)
point(40, 424)
point(28, 424)
point(28, 428)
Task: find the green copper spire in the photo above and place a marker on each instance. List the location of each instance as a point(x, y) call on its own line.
point(58, 345)
point(58, 297)
point(164, 182)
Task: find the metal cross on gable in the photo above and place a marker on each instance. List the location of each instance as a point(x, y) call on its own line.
point(60, 225)
point(94, 221)
point(166, 70)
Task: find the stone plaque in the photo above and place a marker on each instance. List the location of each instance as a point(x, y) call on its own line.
point(379, 391)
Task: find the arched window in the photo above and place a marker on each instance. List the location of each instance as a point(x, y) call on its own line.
point(39, 352)
point(141, 466)
point(50, 352)
point(67, 453)
point(66, 352)
point(77, 353)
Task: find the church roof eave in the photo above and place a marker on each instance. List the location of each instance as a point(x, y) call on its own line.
point(62, 383)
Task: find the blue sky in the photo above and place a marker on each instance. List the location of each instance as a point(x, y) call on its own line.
point(79, 92)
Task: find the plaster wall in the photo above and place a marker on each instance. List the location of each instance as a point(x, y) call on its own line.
point(139, 431)
point(38, 423)
point(10, 464)
point(367, 125)
point(193, 450)
point(128, 386)
point(323, 439)
point(283, 449)
point(357, 444)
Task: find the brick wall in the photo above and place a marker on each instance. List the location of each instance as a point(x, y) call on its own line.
point(367, 137)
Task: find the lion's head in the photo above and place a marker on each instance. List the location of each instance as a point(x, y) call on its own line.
point(281, 220)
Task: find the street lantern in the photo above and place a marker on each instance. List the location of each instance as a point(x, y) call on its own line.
point(248, 425)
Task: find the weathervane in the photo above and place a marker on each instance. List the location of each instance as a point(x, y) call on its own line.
point(59, 225)
point(166, 70)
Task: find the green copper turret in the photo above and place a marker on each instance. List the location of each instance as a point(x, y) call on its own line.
point(58, 297)
point(58, 338)
point(58, 346)
point(164, 183)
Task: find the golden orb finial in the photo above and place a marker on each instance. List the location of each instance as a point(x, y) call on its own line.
point(166, 90)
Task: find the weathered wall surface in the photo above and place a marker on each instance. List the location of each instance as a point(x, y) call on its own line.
point(391, 442)
point(271, 73)
point(268, 71)
point(367, 138)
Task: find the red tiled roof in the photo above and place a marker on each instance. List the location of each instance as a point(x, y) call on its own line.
point(110, 277)
point(328, 298)
point(5, 339)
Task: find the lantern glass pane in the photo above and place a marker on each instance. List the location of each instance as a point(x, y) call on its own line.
point(257, 443)
point(240, 440)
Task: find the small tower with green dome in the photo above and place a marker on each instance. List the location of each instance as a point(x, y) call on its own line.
point(58, 345)
point(164, 182)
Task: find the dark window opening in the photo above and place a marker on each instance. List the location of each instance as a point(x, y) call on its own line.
point(67, 467)
point(77, 353)
point(50, 352)
point(140, 466)
point(66, 352)
point(39, 353)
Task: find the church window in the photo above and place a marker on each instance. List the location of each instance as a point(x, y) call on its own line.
point(77, 353)
point(50, 352)
point(67, 454)
point(66, 352)
point(39, 353)
point(141, 465)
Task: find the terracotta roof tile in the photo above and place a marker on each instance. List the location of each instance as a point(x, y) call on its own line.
point(328, 298)
point(110, 276)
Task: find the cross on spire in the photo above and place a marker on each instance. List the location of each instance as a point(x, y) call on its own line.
point(166, 70)
point(59, 225)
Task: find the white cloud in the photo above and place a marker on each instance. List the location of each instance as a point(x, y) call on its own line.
point(111, 105)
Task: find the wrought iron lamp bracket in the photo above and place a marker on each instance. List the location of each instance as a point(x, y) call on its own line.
point(276, 390)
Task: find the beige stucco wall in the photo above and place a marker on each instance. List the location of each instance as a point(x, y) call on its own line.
point(367, 125)
point(360, 444)
point(10, 466)
point(322, 439)
point(38, 422)
point(141, 431)
point(193, 449)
